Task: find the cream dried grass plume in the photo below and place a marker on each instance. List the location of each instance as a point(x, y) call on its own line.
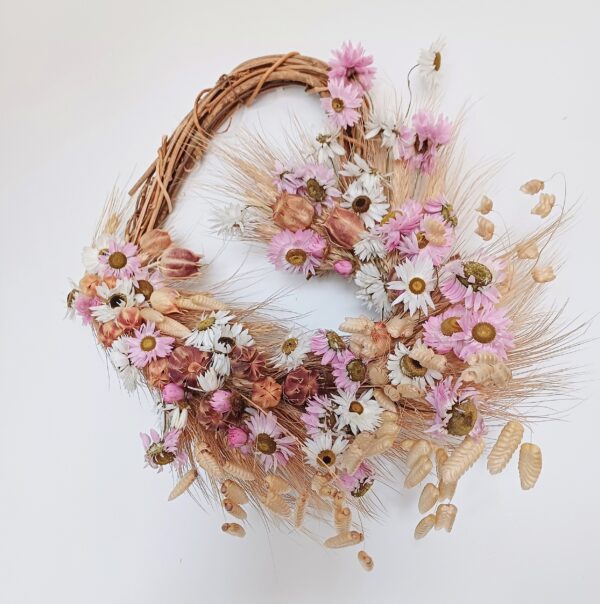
point(365, 561)
point(400, 327)
point(426, 357)
point(234, 529)
point(362, 325)
point(183, 484)
point(507, 443)
point(234, 492)
point(208, 462)
point(342, 517)
point(445, 516)
point(446, 490)
point(527, 251)
point(276, 503)
point(543, 274)
point(424, 526)
point(417, 450)
point(544, 205)
point(235, 509)
point(419, 472)
point(532, 187)
point(485, 206)
point(429, 497)
point(344, 540)
point(486, 369)
point(530, 465)
point(238, 471)
point(485, 228)
point(277, 484)
point(462, 458)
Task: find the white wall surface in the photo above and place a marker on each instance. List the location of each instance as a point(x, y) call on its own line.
point(86, 91)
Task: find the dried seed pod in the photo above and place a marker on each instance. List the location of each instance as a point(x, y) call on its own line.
point(342, 517)
point(440, 459)
point(420, 470)
point(428, 498)
point(365, 560)
point(276, 503)
point(201, 301)
point(544, 205)
point(400, 327)
point(462, 458)
point(355, 452)
point(543, 274)
point(427, 358)
point(234, 509)
point(485, 205)
point(527, 251)
point(384, 400)
point(238, 471)
point(183, 484)
point(208, 462)
point(504, 447)
point(233, 491)
point(378, 376)
point(380, 445)
point(166, 325)
point(420, 448)
point(530, 465)
point(392, 393)
point(409, 391)
point(424, 526)
point(344, 540)
point(532, 187)
point(485, 228)
point(446, 490)
point(233, 528)
point(277, 484)
point(407, 444)
point(362, 325)
point(445, 516)
point(300, 509)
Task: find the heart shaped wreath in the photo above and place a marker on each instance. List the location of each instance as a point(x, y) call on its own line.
point(302, 424)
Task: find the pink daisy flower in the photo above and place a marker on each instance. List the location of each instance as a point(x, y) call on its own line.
point(442, 332)
point(299, 252)
point(329, 345)
point(319, 184)
point(341, 107)
point(456, 410)
point(359, 483)
point(427, 136)
point(349, 372)
point(474, 281)
point(148, 345)
point(266, 439)
point(286, 178)
point(405, 221)
point(485, 330)
point(434, 239)
point(120, 260)
point(318, 415)
point(353, 66)
point(220, 401)
point(163, 451)
point(83, 307)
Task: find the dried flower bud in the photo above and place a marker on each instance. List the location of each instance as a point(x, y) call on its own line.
point(109, 332)
point(154, 243)
point(293, 212)
point(236, 437)
point(543, 274)
point(532, 187)
point(544, 205)
point(172, 393)
point(485, 228)
point(179, 263)
point(344, 227)
point(266, 393)
point(129, 318)
point(485, 205)
point(157, 373)
point(163, 300)
point(299, 385)
point(343, 267)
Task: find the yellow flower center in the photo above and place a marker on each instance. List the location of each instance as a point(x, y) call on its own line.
point(462, 419)
point(145, 288)
point(450, 326)
point(391, 214)
point(361, 204)
point(417, 285)
point(148, 343)
point(326, 458)
point(296, 256)
point(481, 274)
point(356, 370)
point(356, 407)
point(315, 190)
point(289, 345)
point(422, 240)
point(117, 300)
point(266, 444)
point(335, 341)
point(117, 260)
point(71, 298)
point(484, 333)
point(437, 61)
point(411, 368)
point(337, 105)
point(205, 324)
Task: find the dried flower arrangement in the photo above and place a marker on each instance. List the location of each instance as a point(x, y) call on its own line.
point(302, 424)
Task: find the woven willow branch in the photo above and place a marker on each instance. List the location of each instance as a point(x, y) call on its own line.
point(179, 153)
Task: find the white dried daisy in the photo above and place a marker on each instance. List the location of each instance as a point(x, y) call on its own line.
point(292, 351)
point(430, 63)
point(366, 198)
point(119, 355)
point(403, 369)
point(323, 450)
point(369, 247)
point(122, 295)
point(226, 337)
point(208, 324)
point(362, 414)
point(91, 255)
point(326, 146)
point(372, 289)
point(210, 380)
point(221, 364)
point(230, 219)
point(357, 168)
point(415, 284)
point(177, 416)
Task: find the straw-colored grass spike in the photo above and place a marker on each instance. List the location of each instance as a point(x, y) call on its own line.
point(446, 490)
point(300, 509)
point(378, 376)
point(419, 472)
point(424, 526)
point(362, 325)
point(384, 400)
point(441, 456)
point(445, 516)
point(183, 484)
point(277, 484)
point(365, 560)
point(206, 302)
point(234, 492)
point(462, 458)
point(234, 509)
point(208, 462)
point(276, 503)
point(238, 471)
point(233, 528)
point(380, 445)
point(530, 465)
point(342, 517)
point(344, 540)
point(407, 444)
point(420, 448)
point(429, 496)
point(508, 441)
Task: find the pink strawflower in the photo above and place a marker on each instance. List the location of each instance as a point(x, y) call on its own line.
point(406, 220)
point(148, 345)
point(343, 267)
point(299, 252)
point(442, 332)
point(318, 415)
point(236, 437)
point(442, 397)
point(353, 66)
point(329, 345)
point(319, 184)
point(120, 261)
point(163, 451)
point(341, 107)
point(267, 441)
point(485, 330)
point(473, 281)
point(359, 482)
point(434, 239)
point(83, 307)
point(286, 178)
point(172, 393)
point(349, 372)
point(220, 401)
point(427, 136)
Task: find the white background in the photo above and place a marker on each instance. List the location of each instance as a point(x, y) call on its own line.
point(86, 91)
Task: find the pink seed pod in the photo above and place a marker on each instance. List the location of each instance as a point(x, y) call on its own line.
point(179, 263)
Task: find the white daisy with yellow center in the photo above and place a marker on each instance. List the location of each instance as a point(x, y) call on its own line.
point(323, 451)
point(403, 369)
point(206, 326)
point(430, 63)
point(292, 351)
point(415, 284)
point(115, 298)
point(359, 413)
point(366, 198)
point(119, 355)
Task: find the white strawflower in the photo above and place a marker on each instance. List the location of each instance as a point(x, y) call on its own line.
point(366, 198)
point(371, 289)
point(369, 247)
point(415, 284)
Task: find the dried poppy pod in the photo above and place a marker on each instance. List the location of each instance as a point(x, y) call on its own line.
point(154, 243)
point(463, 417)
point(234, 529)
point(293, 212)
point(179, 263)
point(344, 227)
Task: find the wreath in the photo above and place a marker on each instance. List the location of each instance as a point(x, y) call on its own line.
point(452, 354)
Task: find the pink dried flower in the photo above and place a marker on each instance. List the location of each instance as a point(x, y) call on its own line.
point(427, 136)
point(353, 66)
point(349, 372)
point(220, 401)
point(148, 345)
point(172, 393)
point(442, 332)
point(83, 305)
point(319, 184)
point(434, 239)
point(485, 330)
point(236, 437)
point(120, 261)
point(319, 415)
point(267, 440)
point(343, 267)
point(359, 483)
point(299, 252)
point(341, 107)
point(163, 451)
point(329, 345)
point(406, 220)
point(286, 178)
